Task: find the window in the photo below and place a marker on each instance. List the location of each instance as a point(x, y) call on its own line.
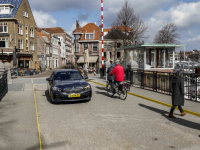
point(32, 46)
point(85, 46)
point(77, 37)
point(3, 28)
point(77, 48)
point(1, 10)
point(4, 42)
point(20, 30)
point(118, 45)
point(32, 33)
point(89, 36)
point(20, 44)
point(118, 54)
point(26, 31)
point(104, 55)
point(25, 14)
point(26, 45)
point(6, 9)
point(94, 47)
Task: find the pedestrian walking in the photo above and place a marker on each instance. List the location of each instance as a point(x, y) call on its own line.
point(177, 94)
point(85, 70)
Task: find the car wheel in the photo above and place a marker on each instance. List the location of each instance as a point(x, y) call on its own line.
point(51, 97)
point(47, 89)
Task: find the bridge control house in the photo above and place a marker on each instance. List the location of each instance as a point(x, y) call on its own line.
point(156, 57)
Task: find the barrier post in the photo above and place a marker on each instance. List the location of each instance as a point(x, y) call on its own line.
point(94, 71)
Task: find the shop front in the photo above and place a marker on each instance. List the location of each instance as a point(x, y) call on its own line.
point(24, 60)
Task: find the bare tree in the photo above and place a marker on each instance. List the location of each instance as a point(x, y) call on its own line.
point(168, 34)
point(131, 25)
point(115, 35)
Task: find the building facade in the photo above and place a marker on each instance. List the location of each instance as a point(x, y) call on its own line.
point(86, 38)
point(59, 32)
point(18, 30)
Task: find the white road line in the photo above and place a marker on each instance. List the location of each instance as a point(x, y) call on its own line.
point(23, 87)
point(32, 80)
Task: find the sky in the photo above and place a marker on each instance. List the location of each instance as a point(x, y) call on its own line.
point(155, 13)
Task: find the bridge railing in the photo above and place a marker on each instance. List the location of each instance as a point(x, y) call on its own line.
point(3, 84)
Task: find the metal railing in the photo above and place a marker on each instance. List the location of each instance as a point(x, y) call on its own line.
point(3, 84)
point(162, 82)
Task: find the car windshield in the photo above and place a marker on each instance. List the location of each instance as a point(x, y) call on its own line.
point(68, 75)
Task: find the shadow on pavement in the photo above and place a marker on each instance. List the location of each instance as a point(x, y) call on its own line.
point(104, 93)
point(179, 121)
point(59, 103)
point(101, 88)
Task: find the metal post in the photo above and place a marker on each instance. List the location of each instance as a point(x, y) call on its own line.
point(102, 33)
point(2, 55)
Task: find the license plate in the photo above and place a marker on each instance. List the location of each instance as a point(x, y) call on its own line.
point(74, 95)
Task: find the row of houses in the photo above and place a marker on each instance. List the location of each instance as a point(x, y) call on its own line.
point(36, 47)
point(89, 38)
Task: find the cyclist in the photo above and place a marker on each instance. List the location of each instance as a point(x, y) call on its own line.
point(118, 71)
point(110, 69)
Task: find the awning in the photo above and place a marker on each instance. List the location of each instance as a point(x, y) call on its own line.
point(81, 60)
point(93, 59)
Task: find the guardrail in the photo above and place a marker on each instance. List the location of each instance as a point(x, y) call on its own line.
point(3, 84)
point(162, 81)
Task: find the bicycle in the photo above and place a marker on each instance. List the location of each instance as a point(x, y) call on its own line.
point(121, 87)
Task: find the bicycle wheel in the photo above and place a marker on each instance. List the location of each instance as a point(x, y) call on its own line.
point(109, 90)
point(123, 94)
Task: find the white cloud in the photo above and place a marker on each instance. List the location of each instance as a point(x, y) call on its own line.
point(196, 38)
point(185, 16)
point(44, 20)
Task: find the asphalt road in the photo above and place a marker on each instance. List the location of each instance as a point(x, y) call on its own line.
point(103, 123)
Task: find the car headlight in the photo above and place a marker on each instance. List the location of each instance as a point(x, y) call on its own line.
point(87, 87)
point(56, 88)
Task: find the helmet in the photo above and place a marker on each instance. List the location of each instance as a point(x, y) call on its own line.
point(117, 62)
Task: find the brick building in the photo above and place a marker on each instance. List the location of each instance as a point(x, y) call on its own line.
point(18, 28)
point(86, 37)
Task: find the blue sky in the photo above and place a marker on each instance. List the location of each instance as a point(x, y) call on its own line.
point(156, 13)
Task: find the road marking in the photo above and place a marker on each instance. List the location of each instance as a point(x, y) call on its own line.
point(32, 80)
point(37, 119)
point(23, 87)
point(153, 100)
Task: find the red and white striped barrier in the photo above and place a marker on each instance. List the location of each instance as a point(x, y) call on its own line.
point(102, 33)
point(94, 71)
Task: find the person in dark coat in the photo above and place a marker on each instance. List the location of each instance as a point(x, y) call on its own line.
point(110, 78)
point(177, 94)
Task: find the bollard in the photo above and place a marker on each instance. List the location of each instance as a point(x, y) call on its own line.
point(8, 67)
point(94, 71)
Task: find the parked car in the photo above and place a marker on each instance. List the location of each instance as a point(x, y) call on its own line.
point(68, 85)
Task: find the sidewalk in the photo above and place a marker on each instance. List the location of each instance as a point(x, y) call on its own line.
point(189, 105)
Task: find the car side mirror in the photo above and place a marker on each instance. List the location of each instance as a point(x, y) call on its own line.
point(48, 79)
point(86, 77)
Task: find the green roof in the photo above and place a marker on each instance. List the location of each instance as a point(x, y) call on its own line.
point(151, 45)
